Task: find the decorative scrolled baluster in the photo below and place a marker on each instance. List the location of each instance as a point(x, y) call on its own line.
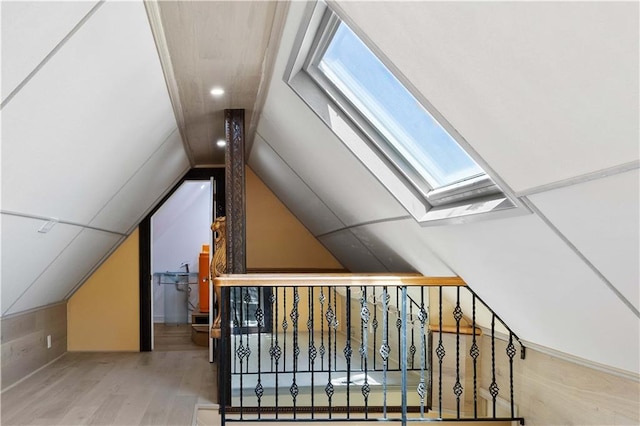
point(385, 350)
point(457, 387)
point(294, 390)
point(347, 348)
point(364, 318)
point(422, 388)
point(259, 389)
point(474, 352)
point(493, 387)
point(313, 352)
point(321, 350)
point(511, 352)
point(330, 317)
point(285, 327)
point(440, 352)
point(245, 324)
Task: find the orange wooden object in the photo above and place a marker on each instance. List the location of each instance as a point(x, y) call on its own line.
point(203, 279)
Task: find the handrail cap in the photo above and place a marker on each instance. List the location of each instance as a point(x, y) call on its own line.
point(334, 279)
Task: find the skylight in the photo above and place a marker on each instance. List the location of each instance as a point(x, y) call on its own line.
point(387, 124)
point(394, 112)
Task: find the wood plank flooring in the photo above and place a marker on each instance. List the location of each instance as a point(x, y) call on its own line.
point(173, 337)
point(149, 388)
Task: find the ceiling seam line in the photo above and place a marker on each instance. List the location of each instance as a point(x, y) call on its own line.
point(371, 252)
point(301, 180)
point(371, 222)
point(134, 174)
point(576, 180)
point(166, 65)
point(51, 54)
point(582, 257)
point(43, 271)
point(64, 222)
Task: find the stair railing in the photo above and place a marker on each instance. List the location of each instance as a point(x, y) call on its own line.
point(342, 347)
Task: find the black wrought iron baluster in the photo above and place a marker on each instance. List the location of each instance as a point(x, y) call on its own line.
point(374, 325)
point(236, 325)
point(259, 390)
point(457, 387)
point(403, 353)
point(321, 351)
point(274, 324)
point(511, 351)
point(440, 352)
point(422, 317)
point(361, 349)
point(285, 326)
point(312, 348)
point(384, 349)
point(296, 349)
point(474, 352)
point(336, 324)
point(330, 316)
point(347, 348)
point(412, 348)
point(493, 388)
point(247, 300)
point(364, 318)
point(240, 351)
point(277, 352)
point(398, 325)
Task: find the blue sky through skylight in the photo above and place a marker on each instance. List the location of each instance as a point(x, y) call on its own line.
point(396, 114)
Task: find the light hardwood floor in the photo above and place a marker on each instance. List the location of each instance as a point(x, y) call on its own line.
point(174, 337)
point(149, 388)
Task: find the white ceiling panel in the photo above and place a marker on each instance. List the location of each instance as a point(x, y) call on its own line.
point(395, 244)
point(26, 253)
point(291, 190)
point(67, 271)
point(104, 111)
point(313, 152)
point(539, 286)
point(30, 31)
point(602, 219)
point(543, 91)
point(141, 192)
point(351, 252)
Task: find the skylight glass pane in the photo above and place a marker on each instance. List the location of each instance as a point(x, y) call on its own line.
point(396, 114)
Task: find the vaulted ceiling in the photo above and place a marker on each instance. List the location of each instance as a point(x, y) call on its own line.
point(105, 105)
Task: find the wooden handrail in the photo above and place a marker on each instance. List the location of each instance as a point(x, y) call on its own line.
point(342, 280)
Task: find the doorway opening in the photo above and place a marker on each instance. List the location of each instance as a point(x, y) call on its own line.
point(174, 237)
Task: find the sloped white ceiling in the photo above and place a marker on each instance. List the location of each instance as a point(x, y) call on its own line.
point(547, 96)
point(30, 31)
point(88, 138)
point(543, 91)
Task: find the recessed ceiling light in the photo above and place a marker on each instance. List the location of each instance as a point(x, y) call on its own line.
point(221, 143)
point(217, 91)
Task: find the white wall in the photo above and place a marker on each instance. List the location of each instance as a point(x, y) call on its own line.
point(179, 229)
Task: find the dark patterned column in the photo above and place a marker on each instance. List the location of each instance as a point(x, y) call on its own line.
point(235, 191)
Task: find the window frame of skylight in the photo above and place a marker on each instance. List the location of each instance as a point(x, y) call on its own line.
point(464, 189)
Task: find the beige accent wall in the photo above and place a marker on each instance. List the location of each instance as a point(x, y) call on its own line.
point(275, 237)
point(24, 341)
point(103, 315)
